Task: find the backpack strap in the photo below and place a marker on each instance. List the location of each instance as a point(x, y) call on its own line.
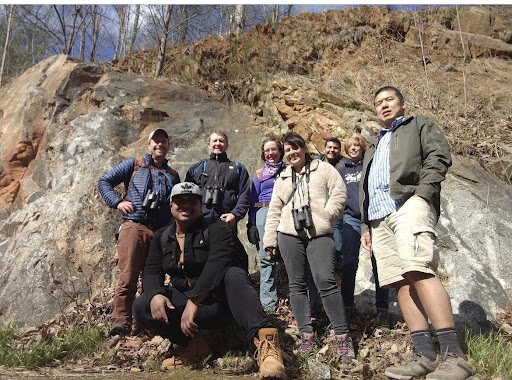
point(238, 167)
point(196, 174)
point(139, 164)
point(258, 172)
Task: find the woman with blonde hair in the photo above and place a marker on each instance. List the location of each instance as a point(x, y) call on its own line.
point(347, 229)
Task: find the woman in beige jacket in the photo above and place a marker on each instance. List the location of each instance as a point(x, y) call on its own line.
point(307, 199)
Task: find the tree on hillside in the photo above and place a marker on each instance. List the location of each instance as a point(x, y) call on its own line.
point(7, 40)
point(96, 15)
point(27, 43)
point(183, 23)
point(163, 40)
point(62, 13)
point(121, 31)
point(237, 19)
point(135, 29)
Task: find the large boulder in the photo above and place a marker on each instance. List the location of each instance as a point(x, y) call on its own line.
point(64, 124)
point(474, 245)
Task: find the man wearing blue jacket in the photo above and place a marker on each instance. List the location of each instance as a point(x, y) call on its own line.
point(148, 182)
point(225, 187)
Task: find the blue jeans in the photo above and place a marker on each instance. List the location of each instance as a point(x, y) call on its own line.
point(347, 235)
point(268, 291)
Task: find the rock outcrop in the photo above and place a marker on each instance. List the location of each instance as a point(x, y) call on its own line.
point(63, 123)
point(79, 120)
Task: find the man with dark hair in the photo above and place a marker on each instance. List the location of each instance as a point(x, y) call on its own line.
point(332, 151)
point(400, 204)
point(148, 182)
point(208, 289)
point(225, 186)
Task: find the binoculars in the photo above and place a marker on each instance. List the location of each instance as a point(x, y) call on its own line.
point(150, 201)
point(212, 196)
point(302, 218)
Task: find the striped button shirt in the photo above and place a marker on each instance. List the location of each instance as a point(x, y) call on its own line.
point(381, 203)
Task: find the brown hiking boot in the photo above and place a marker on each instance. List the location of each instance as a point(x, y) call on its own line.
point(268, 355)
point(195, 350)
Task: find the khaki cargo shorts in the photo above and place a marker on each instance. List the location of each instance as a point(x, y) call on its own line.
point(405, 241)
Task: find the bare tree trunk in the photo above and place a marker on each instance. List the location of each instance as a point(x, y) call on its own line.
point(72, 35)
point(237, 19)
point(124, 32)
point(62, 21)
point(275, 13)
point(7, 39)
point(221, 32)
point(163, 40)
point(84, 23)
point(135, 29)
point(95, 20)
point(289, 11)
point(121, 11)
point(183, 29)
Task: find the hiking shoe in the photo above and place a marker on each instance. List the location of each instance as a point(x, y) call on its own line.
point(120, 329)
point(305, 344)
point(196, 349)
point(268, 355)
point(344, 347)
point(419, 365)
point(453, 368)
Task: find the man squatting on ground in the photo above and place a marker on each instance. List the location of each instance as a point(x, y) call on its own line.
point(152, 178)
point(225, 186)
point(400, 204)
point(208, 289)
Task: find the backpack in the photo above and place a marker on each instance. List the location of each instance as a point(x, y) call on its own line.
point(139, 164)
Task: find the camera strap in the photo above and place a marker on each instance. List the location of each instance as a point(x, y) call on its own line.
point(294, 184)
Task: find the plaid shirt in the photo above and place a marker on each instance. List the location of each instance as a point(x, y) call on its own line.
point(381, 203)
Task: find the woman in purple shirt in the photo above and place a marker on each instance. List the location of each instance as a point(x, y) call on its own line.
point(272, 153)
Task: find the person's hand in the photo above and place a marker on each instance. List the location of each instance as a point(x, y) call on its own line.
point(253, 234)
point(271, 251)
point(157, 305)
point(125, 207)
point(188, 326)
point(229, 218)
point(366, 241)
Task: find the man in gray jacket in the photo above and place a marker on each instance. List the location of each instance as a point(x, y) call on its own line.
point(400, 203)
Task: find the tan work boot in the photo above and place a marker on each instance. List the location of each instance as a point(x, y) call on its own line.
point(268, 355)
point(195, 350)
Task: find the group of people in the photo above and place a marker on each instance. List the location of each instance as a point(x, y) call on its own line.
point(383, 194)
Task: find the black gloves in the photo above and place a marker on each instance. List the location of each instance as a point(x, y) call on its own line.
point(252, 233)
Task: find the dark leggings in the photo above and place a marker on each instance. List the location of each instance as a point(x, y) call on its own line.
point(238, 303)
point(319, 253)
